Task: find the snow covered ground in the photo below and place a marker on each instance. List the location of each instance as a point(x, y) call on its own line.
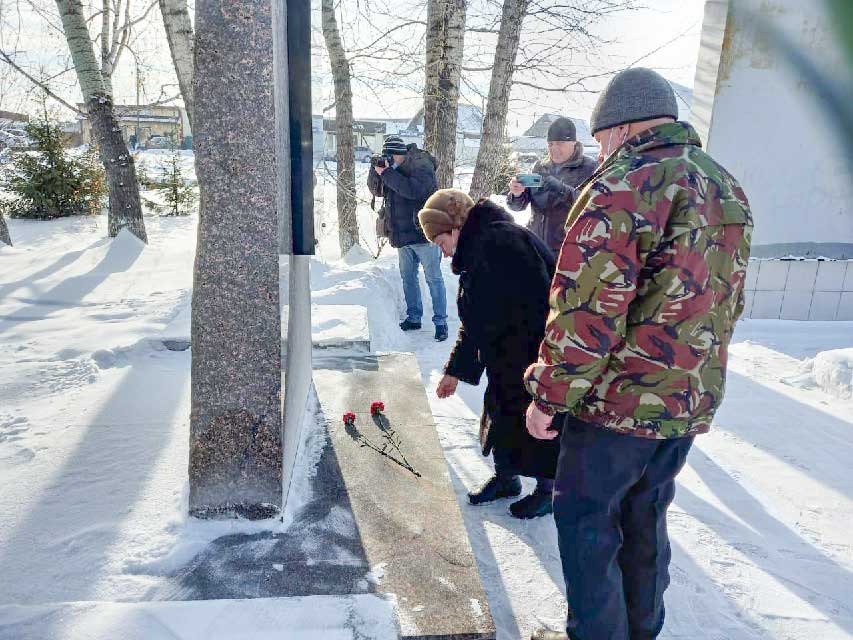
point(94, 442)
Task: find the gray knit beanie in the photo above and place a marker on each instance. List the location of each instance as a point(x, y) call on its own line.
point(633, 95)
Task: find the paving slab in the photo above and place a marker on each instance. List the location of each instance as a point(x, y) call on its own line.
point(408, 519)
point(310, 618)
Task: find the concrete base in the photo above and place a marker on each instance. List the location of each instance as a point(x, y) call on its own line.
point(410, 526)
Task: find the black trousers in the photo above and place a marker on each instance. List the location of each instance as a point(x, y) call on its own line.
point(611, 495)
point(505, 466)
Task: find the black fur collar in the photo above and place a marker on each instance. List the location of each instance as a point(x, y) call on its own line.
point(469, 248)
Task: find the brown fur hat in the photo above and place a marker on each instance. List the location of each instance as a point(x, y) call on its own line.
point(445, 210)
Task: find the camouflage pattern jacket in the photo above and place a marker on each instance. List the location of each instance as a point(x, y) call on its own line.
point(648, 288)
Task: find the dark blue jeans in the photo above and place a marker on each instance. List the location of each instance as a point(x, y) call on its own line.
point(611, 495)
point(428, 255)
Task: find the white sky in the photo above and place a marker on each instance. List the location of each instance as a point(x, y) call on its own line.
point(668, 30)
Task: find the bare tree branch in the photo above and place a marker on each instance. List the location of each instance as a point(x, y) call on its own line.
point(8, 60)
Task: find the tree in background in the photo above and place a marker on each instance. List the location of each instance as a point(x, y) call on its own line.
point(125, 210)
point(570, 19)
point(347, 221)
point(492, 153)
point(4, 231)
point(179, 33)
point(178, 194)
point(445, 37)
point(51, 183)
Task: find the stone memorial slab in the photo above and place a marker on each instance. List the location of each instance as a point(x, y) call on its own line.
point(407, 516)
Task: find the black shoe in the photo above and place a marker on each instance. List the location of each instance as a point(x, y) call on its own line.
point(441, 333)
point(496, 488)
point(548, 634)
point(535, 505)
point(408, 325)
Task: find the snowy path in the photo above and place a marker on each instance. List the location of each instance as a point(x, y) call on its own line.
point(93, 449)
point(760, 525)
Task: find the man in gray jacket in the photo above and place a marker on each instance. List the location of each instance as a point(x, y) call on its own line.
point(564, 169)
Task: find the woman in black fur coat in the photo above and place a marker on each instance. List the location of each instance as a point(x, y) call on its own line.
point(504, 278)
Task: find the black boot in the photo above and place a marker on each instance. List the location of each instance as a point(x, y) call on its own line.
point(496, 488)
point(441, 333)
point(535, 505)
point(408, 325)
point(547, 634)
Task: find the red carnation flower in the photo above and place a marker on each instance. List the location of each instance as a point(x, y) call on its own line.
point(376, 408)
point(349, 417)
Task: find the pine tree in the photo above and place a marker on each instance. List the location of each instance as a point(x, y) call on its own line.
point(179, 196)
point(51, 183)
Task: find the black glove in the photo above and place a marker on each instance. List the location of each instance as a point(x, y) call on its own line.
point(550, 183)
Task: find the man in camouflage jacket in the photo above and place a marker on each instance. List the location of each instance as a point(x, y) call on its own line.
point(648, 288)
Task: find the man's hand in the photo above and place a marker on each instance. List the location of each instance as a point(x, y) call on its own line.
point(447, 387)
point(515, 187)
point(538, 423)
point(380, 170)
point(550, 183)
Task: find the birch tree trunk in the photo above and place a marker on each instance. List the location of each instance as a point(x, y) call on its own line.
point(4, 231)
point(125, 210)
point(347, 221)
point(494, 125)
point(444, 41)
point(179, 33)
point(106, 39)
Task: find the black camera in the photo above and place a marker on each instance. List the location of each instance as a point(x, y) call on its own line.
point(379, 161)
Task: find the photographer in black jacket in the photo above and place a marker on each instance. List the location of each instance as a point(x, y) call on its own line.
point(404, 176)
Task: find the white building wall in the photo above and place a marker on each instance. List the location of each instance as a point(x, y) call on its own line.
point(799, 290)
point(763, 122)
